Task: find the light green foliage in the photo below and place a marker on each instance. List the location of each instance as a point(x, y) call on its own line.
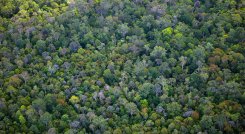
point(167, 31)
point(144, 103)
point(237, 18)
point(22, 119)
point(74, 99)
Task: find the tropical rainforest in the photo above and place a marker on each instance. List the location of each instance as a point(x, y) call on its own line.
point(122, 66)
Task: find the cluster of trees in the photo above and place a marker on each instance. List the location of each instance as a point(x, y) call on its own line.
point(120, 66)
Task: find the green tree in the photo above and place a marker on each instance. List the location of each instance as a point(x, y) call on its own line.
point(146, 90)
point(46, 118)
point(109, 77)
point(173, 109)
point(131, 108)
point(22, 119)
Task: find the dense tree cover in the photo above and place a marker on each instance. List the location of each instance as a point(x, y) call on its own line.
point(122, 66)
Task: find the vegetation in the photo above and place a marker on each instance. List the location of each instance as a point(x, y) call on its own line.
point(122, 66)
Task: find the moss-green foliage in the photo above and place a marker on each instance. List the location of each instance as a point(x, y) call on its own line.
point(122, 66)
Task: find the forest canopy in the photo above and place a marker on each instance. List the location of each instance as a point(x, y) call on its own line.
point(122, 66)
